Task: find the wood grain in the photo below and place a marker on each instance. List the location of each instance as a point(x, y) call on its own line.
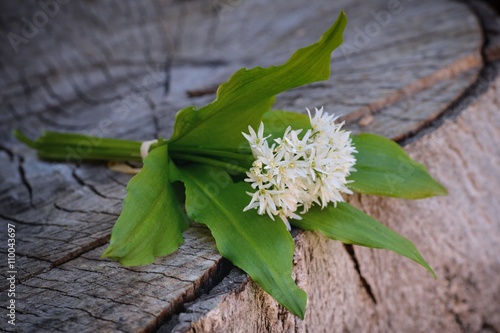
point(123, 68)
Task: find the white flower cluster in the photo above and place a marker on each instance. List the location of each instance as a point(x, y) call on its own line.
point(297, 171)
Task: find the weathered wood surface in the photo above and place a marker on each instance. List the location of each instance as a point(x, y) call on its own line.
point(363, 290)
point(122, 69)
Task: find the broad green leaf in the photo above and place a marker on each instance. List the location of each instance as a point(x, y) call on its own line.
point(384, 168)
point(261, 247)
point(248, 94)
point(351, 226)
point(152, 222)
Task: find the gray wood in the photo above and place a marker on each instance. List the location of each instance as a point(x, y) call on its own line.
point(123, 68)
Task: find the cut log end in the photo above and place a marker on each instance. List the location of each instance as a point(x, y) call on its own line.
point(424, 73)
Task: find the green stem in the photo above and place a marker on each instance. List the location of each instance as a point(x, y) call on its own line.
point(235, 154)
point(209, 161)
point(79, 147)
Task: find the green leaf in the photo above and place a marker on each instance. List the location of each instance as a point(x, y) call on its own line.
point(152, 222)
point(261, 247)
point(384, 168)
point(248, 94)
point(351, 226)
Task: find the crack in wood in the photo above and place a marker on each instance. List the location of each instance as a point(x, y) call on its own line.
point(27, 88)
point(488, 73)
point(175, 44)
point(445, 73)
point(152, 108)
point(458, 321)
point(117, 181)
point(46, 116)
point(93, 316)
point(215, 276)
point(92, 245)
point(67, 210)
point(14, 113)
point(21, 280)
point(167, 68)
point(29, 256)
point(18, 221)
point(97, 295)
point(403, 119)
point(44, 82)
point(25, 181)
point(487, 327)
point(191, 62)
point(364, 283)
point(81, 181)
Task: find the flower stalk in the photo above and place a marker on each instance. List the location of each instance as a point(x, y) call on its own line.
point(78, 147)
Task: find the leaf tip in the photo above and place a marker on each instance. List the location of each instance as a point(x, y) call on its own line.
point(302, 309)
point(441, 190)
point(431, 271)
point(23, 138)
point(436, 189)
point(298, 307)
point(342, 14)
point(302, 314)
point(126, 260)
point(421, 261)
point(108, 253)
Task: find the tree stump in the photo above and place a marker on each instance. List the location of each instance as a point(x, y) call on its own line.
point(424, 73)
